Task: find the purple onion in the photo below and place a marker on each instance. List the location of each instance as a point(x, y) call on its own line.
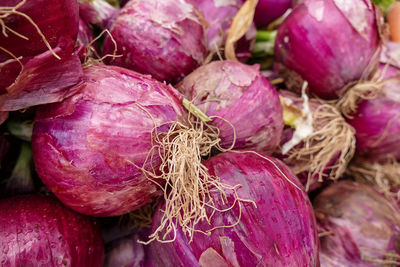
point(377, 121)
point(161, 38)
point(269, 10)
point(219, 16)
point(85, 148)
point(280, 231)
point(239, 94)
point(359, 227)
point(38, 231)
point(328, 44)
point(30, 72)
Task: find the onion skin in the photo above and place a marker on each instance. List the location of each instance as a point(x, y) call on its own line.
point(38, 231)
point(269, 10)
point(98, 12)
point(326, 45)
point(82, 146)
point(161, 38)
point(219, 16)
point(363, 223)
point(281, 231)
point(39, 81)
point(244, 95)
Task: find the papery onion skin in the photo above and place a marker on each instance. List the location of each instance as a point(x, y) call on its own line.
point(39, 231)
point(269, 10)
point(85, 148)
point(97, 12)
point(219, 16)
point(161, 38)
point(359, 224)
point(38, 81)
point(377, 120)
point(281, 231)
point(242, 96)
point(328, 44)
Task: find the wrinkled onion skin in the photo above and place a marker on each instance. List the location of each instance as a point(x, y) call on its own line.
point(39, 231)
point(269, 10)
point(318, 42)
point(82, 146)
point(246, 100)
point(161, 38)
point(281, 231)
point(58, 21)
point(363, 223)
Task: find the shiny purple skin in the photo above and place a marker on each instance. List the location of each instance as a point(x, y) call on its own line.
point(281, 231)
point(269, 10)
point(161, 38)
point(39, 231)
point(82, 146)
point(245, 98)
point(219, 15)
point(363, 223)
point(328, 44)
point(377, 121)
point(58, 21)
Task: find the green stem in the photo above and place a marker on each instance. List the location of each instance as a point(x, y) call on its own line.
point(195, 111)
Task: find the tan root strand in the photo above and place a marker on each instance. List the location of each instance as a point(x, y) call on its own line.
point(332, 138)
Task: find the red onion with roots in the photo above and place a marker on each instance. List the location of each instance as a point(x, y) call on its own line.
point(37, 65)
point(84, 148)
point(161, 38)
point(38, 231)
point(280, 230)
point(329, 44)
point(246, 105)
point(359, 227)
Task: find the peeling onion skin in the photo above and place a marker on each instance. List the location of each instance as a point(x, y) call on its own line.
point(281, 231)
point(82, 146)
point(244, 95)
point(39, 231)
point(58, 21)
point(318, 42)
point(269, 10)
point(363, 223)
point(161, 38)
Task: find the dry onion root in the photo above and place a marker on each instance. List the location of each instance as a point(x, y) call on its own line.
point(189, 190)
point(327, 149)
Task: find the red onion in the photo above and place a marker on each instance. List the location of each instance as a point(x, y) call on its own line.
point(360, 227)
point(85, 148)
point(328, 44)
point(239, 94)
point(98, 12)
point(219, 16)
point(269, 10)
point(317, 143)
point(161, 38)
point(279, 231)
point(39, 231)
point(30, 72)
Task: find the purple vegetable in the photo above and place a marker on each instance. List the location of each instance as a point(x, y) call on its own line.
point(239, 94)
point(279, 231)
point(161, 38)
point(377, 121)
point(269, 10)
point(37, 65)
point(38, 231)
point(329, 44)
point(359, 226)
point(219, 16)
point(85, 148)
point(317, 143)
